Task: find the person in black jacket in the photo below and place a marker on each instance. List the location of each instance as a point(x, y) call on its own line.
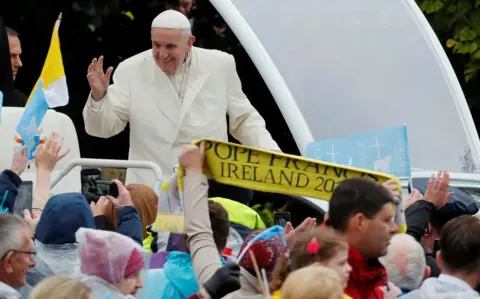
point(18, 98)
point(426, 217)
point(10, 180)
point(6, 79)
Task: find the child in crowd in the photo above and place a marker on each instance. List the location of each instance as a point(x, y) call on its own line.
point(320, 247)
point(313, 283)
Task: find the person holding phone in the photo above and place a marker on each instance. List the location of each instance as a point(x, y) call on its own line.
point(10, 180)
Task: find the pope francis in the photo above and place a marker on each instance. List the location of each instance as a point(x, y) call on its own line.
point(171, 95)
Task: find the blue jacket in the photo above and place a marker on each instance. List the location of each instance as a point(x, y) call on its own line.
point(129, 223)
point(175, 281)
point(62, 216)
point(9, 181)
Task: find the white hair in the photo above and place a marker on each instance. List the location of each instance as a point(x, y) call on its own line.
point(405, 262)
point(187, 33)
point(11, 227)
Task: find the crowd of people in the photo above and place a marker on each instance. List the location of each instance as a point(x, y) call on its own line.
point(71, 246)
point(67, 247)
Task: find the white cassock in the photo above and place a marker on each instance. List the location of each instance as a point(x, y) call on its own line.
point(164, 117)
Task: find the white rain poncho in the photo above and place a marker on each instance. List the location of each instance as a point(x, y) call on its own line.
point(61, 259)
point(108, 259)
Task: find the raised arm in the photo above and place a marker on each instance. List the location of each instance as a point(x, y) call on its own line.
point(107, 110)
point(204, 252)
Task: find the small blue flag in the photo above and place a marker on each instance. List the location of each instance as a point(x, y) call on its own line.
point(269, 233)
point(383, 151)
point(31, 119)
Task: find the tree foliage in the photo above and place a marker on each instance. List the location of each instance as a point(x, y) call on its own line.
point(457, 24)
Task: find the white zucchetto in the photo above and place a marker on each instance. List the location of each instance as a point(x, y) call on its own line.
point(171, 19)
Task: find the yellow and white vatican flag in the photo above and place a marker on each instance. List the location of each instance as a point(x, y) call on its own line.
point(53, 74)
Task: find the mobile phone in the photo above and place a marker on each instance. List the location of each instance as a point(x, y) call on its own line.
point(24, 199)
point(88, 178)
point(104, 188)
point(281, 218)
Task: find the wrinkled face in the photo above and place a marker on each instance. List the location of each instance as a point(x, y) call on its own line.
point(15, 52)
point(17, 262)
point(130, 285)
point(170, 47)
point(378, 232)
point(340, 264)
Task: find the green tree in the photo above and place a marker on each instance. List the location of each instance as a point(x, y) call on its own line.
point(457, 25)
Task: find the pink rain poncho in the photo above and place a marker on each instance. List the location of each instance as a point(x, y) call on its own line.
point(106, 260)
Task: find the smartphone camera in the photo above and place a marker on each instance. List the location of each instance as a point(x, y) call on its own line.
point(104, 188)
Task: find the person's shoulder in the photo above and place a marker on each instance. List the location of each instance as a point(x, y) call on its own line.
point(213, 54)
point(137, 60)
point(412, 295)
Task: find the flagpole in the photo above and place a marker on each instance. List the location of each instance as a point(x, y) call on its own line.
point(410, 164)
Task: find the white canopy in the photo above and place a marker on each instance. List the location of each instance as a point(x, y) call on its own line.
point(358, 65)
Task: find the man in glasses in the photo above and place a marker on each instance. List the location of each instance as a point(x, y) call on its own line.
point(17, 253)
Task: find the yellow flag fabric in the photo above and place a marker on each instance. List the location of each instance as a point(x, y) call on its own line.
point(267, 171)
point(53, 73)
point(260, 170)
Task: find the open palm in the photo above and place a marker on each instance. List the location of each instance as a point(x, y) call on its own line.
point(97, 79)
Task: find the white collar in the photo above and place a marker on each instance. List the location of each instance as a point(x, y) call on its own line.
point(454, 280)
point(7, 291)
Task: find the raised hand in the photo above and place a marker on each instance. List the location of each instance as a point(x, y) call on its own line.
point(291, 233)
point(413, 197)
point(47, 155)
point(20, 161)
point(97, 79)
point(393, 187)
point(192, 158)
point(437, 190)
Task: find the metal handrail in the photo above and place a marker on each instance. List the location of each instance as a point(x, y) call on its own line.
point(111, 163)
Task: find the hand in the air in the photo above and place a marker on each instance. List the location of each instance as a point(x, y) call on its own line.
point(192, 158)
point(20, 161)
point(437, 190)
point(47, 155)
point(97, 79)
point(32, 219)
point(413, 198)
point(291, 233)
point(393, 187)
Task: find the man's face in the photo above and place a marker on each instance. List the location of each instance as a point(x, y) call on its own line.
point(15, 52)
point(377, 232)
point(170, 47)
point(185, 6)
point(17, 262)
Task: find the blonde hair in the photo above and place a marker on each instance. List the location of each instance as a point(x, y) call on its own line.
point(60, 287)
point(144, 199)
point(313, 282)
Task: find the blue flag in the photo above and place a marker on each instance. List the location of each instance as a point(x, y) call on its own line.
point(269, 233)
point(31, 119)
point(383, 151)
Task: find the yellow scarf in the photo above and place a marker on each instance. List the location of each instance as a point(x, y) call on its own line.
point(266, 171)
